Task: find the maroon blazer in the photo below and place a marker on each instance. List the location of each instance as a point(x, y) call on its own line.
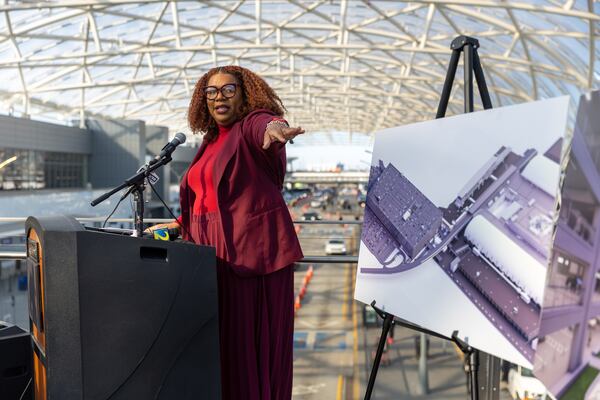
point(257, 229)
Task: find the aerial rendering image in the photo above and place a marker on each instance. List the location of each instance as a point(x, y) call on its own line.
point(487, 233)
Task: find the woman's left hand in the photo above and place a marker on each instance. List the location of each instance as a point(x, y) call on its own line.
point(279, 133)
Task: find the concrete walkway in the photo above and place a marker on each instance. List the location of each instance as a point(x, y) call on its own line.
point(593, 392)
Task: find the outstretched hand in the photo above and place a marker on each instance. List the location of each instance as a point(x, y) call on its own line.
point(170, 225)
point(278, 133)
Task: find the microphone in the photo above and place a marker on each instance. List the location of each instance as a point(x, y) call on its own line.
point(169, 147)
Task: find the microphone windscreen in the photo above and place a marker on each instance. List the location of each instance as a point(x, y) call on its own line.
point(180, 137)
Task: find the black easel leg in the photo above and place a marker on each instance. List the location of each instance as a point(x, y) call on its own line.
point(480, 78)
point(468, 84)
point(472, 65)
point(387, 324)
point(443, 105)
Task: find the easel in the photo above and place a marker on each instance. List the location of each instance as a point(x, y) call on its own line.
point(472, 64)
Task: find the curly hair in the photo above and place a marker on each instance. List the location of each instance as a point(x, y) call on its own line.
point(256, 94)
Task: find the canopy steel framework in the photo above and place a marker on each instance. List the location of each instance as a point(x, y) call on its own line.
point(348, 65)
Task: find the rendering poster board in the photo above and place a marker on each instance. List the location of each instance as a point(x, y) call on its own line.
point(458, 224)
point(567, 357)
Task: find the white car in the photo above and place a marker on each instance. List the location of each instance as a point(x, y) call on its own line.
point(335, 246)
point(523, 385)
point(316, 203)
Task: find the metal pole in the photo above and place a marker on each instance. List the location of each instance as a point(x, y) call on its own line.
point(481, 84)
point(468, 69)
point(161, 220)
point(489, 377)
point(138, 197)
point(443, 105)
point(387, 324)
point(13, 255)
point(473, 372)
point(423, 373)
point(14, 308)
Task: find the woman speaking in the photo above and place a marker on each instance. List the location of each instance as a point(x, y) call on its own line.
point(231, 199)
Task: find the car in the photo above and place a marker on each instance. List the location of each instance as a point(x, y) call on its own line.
point(335, 246)
point(311, 216)
point(316, 203)
point(523, 385)
point(362, 200)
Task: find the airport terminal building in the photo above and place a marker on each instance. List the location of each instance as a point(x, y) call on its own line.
point(41, 155)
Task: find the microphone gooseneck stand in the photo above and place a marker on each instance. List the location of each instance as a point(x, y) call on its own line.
point(137, 185)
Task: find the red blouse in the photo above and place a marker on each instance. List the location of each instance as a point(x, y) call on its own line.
point(200, 176)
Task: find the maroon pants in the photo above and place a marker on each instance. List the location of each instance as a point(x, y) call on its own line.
point(256, 326)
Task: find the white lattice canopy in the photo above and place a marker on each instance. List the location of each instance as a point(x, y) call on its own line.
point(352, 66)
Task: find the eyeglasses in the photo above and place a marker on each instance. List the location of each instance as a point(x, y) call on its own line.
point(228, 91)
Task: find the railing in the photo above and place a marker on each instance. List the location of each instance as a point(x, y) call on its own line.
point(21, 255)
point(12, 255)
point(163, 220)
point(6, 255)
point(329, 260)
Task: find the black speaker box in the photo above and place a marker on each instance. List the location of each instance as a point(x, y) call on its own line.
point(15, 363)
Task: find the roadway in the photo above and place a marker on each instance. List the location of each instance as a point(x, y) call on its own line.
point(333, 349)
point(327, 352)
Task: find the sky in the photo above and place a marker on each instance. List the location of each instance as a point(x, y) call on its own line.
point(322, 151)
point(326, 157)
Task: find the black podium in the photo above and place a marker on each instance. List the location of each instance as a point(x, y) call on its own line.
point(120, 317)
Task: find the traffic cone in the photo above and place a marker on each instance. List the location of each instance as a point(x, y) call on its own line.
point(310, 272)
point(302, 291)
